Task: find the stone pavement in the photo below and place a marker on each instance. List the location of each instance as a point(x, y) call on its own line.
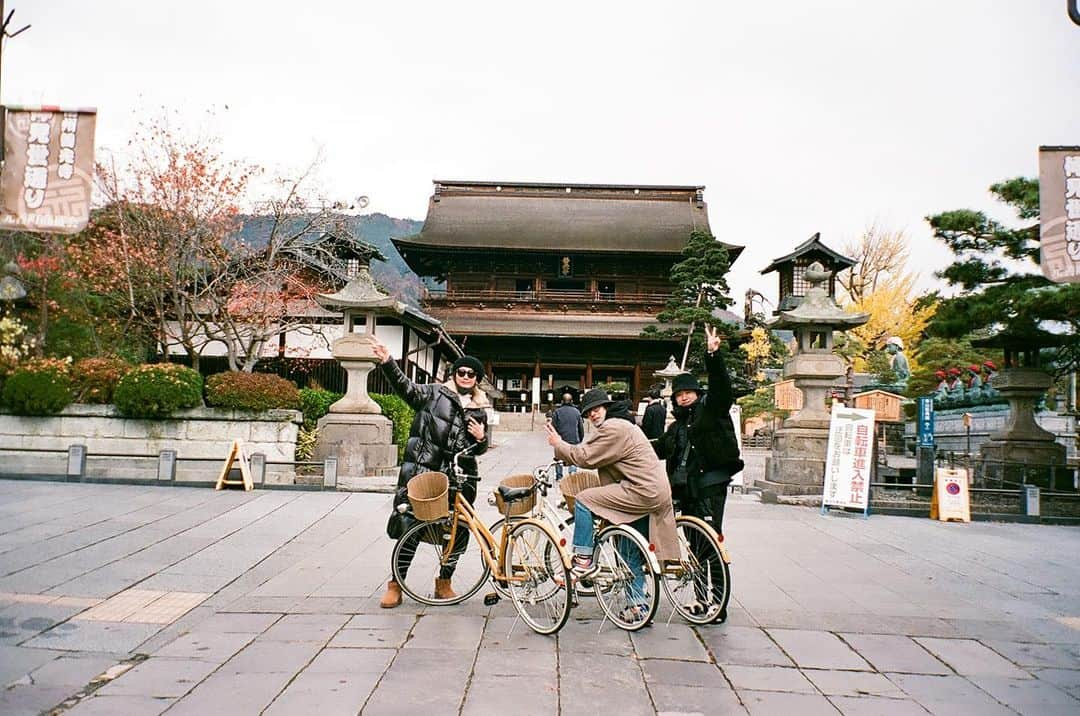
point(132, 600)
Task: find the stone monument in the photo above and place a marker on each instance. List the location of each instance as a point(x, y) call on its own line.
point(1022, 451)
point(797, 465)
point(355, 430)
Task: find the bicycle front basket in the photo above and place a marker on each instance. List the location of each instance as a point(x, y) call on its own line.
point(428, 496)
point(520, 507)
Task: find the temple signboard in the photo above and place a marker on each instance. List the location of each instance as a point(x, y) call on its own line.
point(1059, 213)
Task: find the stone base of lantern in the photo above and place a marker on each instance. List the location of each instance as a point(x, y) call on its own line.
point(797, 465)
point(363, 443)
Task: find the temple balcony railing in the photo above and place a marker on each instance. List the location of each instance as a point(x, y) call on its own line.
point(546, 300)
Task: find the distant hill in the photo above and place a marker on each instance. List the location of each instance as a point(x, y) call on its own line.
point(376, 229)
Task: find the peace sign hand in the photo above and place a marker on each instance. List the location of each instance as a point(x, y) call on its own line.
point(712, 339)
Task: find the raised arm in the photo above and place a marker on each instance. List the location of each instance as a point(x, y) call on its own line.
point(413, 394)
point(721, 395)
point(600, 450)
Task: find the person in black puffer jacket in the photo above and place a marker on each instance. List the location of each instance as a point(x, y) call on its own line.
point(449, 417)
point(700, 447)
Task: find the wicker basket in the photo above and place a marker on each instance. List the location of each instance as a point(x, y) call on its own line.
point(574, 482)
point(428, 496)
point(520, 507)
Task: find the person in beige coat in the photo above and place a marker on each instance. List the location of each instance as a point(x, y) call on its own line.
point(634, 486)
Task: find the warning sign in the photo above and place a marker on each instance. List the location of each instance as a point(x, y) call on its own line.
point(849, 459)
point(950, 500)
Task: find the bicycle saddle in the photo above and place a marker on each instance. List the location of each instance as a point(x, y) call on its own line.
point(514, 494)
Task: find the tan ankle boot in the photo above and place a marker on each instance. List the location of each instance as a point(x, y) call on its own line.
point(443, 589)
point(392, 598)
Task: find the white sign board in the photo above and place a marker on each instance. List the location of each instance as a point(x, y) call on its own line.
point(848, 460)
point(950, 500)
point(736, 420)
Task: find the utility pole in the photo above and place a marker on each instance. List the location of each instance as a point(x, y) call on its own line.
point(4, 36)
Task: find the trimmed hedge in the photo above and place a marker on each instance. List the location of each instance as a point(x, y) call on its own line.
point(315, 403)
point(400, 414)
point(43, 389)
point(251, 391)
point(95, 379)
point(156, 390)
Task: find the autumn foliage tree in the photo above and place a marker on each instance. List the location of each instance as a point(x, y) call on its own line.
point(880, 285)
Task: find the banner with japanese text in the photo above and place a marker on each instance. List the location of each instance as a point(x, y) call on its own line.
point(849, 458)
point(1059, 213)
point(48, 169)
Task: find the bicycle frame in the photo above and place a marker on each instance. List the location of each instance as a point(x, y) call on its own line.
point(493, 549)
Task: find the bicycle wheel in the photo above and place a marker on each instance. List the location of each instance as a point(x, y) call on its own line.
point(626, 586)
point(420, 557)
point(537, 585)
point(699, 586)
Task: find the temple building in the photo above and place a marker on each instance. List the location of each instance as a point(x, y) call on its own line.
point(552, 284)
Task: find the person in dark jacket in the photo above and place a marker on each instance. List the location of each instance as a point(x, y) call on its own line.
point(700, 446)
point(566, 419)
point(449, 417)
point(655, 417)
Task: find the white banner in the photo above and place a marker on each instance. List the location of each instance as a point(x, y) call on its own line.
point(848, 461)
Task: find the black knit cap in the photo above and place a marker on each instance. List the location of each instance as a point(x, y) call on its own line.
point(685, 381)
point(469, 362)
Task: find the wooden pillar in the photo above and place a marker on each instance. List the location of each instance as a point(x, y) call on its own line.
point(588, 374)
point(637, 381)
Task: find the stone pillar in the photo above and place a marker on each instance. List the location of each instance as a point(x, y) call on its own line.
point(355, 431)
point(797, 465)
point(1023, 451)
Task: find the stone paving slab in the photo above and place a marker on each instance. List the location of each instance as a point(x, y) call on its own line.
point(829, 615)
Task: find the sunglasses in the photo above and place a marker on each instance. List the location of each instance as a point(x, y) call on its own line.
point(466, 373)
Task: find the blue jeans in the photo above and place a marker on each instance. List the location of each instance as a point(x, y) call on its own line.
point(584, 540)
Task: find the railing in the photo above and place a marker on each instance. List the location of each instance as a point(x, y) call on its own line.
point(76, 456)
point(547, 296)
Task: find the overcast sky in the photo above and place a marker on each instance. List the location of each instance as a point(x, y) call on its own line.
point(796, 116)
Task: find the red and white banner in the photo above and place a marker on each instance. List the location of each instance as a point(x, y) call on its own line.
point(48, 169)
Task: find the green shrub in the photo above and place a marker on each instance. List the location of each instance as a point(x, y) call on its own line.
point(251, 391)
point(38, 389)
point(315, 403)
point(95, 379)
point(400, 414)
point(156, 390)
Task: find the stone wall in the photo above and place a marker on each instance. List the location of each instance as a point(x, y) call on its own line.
point(951, 436)
point(126, 448)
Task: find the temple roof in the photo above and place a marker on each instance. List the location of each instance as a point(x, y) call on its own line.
point(561, 217)
point(498, 324)
point(814, 246)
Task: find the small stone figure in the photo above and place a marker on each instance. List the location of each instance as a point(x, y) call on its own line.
point(895, 347)
point(974, 384)
point(990, 393)
point(955, 387)
point(941, 393)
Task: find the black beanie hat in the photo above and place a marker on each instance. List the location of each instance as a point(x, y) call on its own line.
point(685, 381)
point(469, 362)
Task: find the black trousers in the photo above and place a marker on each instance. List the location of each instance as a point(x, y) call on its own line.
point(461, 539)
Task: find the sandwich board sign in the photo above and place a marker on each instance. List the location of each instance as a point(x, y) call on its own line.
point(950, 501)
point(736, 420)
point(849, 460)
point(236, 454)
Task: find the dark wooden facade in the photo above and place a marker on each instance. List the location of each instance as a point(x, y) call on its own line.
point(553, 281)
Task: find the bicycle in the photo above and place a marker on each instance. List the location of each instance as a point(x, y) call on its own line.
point(698, 585)
point(515, 561)
point(626, 585)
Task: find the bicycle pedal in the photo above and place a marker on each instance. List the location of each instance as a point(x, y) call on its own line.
point(491, 599)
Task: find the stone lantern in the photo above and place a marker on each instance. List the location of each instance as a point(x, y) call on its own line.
point(668, 373)
point(1022, 451)
point(798, 463)
point(355, 428)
